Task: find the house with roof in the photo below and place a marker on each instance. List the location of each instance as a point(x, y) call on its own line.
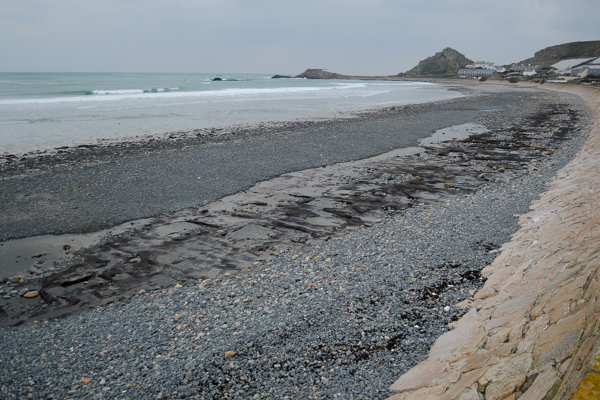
point(486, 65)
point(522, 67)
point(475, 72)
point(480, 69)
point(576, 66)
point(589, 68)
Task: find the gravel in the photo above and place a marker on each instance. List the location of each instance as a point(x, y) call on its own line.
point(340, 319)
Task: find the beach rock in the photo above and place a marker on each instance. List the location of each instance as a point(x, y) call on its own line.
point(31, 294)
point(422, 375)
point(252, 231)
point(85, 381)
point(229, 354)
point(504, 378)
point(319, 74)
point(469, 394)
point(541, 386)
point(217, 79)
point(121, 277)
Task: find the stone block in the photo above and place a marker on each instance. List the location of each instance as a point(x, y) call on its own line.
point(563, 296)
point(541, 301)
point(424, 374)
point(510, 312)
point(464, 338)
point(504, 378)
point(477, 360)
point(468, 394)
point(516, 331)
point(467, 380)
point(560, 340)
point(533, 331)
point(505, 349)
point(541, 385)
point(500, 337)
point(449, 377)
point(428, 393)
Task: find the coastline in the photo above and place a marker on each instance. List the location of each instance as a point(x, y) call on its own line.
point(531, 331)
point(320, 295)
point(98, 177)
point(60, 120)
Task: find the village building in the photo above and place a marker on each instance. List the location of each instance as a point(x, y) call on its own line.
point(480, 69)
point(522, 67)
point(576, 66)
point(486, 65)
point(475, 72)
point(589, 68)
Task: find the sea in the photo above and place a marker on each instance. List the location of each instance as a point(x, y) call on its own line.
point(43, 111)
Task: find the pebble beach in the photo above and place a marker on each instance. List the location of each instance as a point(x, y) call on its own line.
point(341, 316)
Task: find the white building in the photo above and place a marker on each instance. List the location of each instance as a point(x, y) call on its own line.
point(475, 72)
point(485, 65)
point(565, 66)
point(529, 72)
point(591, 67)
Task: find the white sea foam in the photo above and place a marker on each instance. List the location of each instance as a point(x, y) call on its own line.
point(400, 83)
point(12, 122)
point(121, 91)
point(112, 95)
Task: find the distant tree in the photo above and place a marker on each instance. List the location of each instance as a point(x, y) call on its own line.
point(513, 79)
point(542, 81)
point(482, 79)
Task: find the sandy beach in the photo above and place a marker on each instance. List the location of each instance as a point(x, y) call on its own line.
point(327, 279)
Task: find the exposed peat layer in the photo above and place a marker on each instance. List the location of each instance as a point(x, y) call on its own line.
point(323, 281)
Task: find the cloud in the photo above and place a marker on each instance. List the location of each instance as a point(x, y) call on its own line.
point(353, 37)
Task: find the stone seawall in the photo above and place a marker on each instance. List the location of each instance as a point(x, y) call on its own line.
point(532, 332)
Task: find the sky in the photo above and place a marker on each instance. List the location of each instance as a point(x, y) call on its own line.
point(375, 37)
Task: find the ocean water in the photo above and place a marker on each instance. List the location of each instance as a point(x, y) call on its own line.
point(43, 111)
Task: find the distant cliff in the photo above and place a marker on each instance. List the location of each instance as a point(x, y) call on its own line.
point(446, 62)
point(554, 54)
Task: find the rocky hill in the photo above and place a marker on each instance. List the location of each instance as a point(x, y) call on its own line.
point(554, 54)
point(320, 74)
point(446, 62)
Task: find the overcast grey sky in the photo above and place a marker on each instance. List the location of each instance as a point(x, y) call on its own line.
point(376, 37)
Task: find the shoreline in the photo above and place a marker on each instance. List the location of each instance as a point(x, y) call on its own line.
point(64, 261)
point(325, 317)
point(28, 176)
point(102, 125)
point(341, 317)
point(221, 130)
point(531, 331)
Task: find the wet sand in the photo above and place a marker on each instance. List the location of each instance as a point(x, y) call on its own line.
point(87, 189)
